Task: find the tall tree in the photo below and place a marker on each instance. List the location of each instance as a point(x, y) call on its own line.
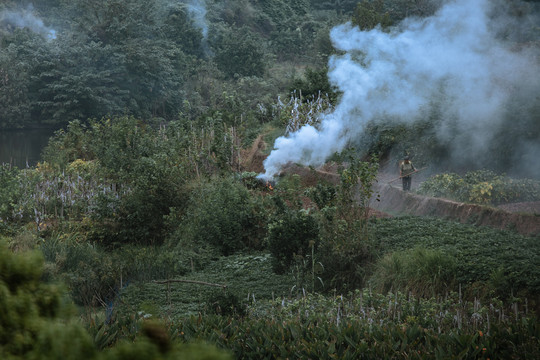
point(15, 63)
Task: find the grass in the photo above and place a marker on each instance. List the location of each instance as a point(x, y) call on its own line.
point(246, 276)
point(422, 271)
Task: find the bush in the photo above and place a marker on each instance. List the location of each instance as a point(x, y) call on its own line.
point(91, 275)
point(444, 185)
point(96, 276)
point(9, 192)
point(224, 303)
point(224, 214)
point(36, 323)
point(421, 271)
point(289, 236)
point(33, 314)
point(346, 249)
point(345, 252)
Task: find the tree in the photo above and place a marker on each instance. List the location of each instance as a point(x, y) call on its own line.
point(290, 236)
point(369, 14)
point(77, 81)
point(114, 21)
point(36, 322)
point(401, 9)
point(118, 62)
point(345, 6)
point(224, 215)
point(315, 83)
point(180, 30)
point(17, 59)
point(239, 53)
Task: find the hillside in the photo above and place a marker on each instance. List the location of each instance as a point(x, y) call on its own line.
point(222, 180)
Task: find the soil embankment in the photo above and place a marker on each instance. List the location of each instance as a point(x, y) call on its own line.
point(395, 201)
point(523, 218)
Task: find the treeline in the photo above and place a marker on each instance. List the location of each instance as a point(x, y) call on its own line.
point(66, 60)
point(61, 60)
point(164, 60)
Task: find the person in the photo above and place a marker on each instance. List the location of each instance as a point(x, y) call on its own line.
point(406, 168)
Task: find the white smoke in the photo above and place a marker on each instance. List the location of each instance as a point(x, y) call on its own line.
point(26, 19)
point(197, 11)
point(396, 74)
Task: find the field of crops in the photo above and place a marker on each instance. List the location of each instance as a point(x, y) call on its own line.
point(483, 308)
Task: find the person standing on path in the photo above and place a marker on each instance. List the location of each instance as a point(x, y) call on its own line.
point(406, 168)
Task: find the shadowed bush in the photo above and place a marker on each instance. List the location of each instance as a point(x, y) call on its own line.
point(289, 236)
point(223, 214)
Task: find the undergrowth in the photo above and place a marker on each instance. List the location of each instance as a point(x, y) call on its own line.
point(487, 261)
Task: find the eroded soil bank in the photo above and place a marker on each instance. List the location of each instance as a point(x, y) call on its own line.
point(395, 201)
point(523, 217)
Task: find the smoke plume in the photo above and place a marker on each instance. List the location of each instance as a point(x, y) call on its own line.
point(455, 56)
point(197, 11)
point(26, 19)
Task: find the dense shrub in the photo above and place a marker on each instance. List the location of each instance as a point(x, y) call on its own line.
point(224, 214)
point(290, 237)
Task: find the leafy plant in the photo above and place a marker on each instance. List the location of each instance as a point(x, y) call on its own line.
point(481, 187)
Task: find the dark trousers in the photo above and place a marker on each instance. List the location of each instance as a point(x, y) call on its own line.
point(406, 183)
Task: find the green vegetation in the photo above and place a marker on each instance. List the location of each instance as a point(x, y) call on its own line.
point(481, 187)
point(158, 226)
point(483, 255)
point(365, 325)
point(145, 233)
point(155, 59)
